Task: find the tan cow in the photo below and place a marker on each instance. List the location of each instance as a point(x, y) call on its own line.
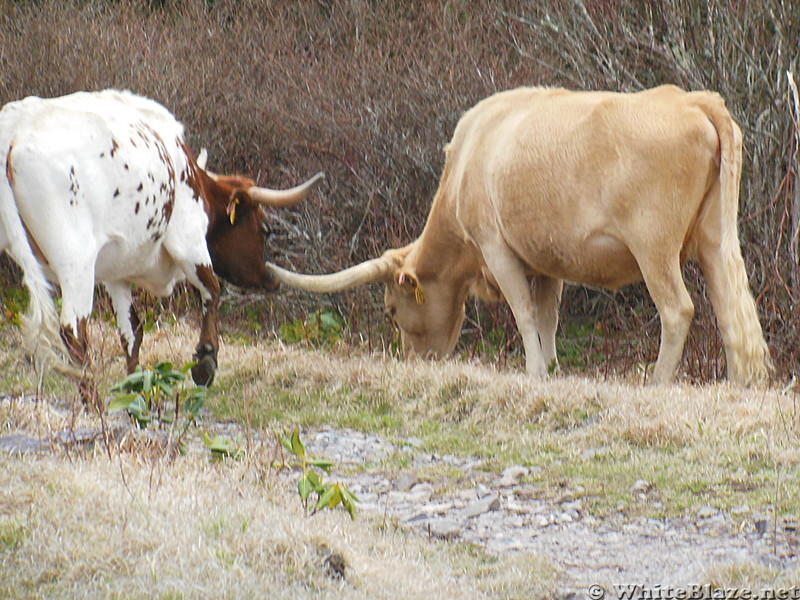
point(545, 185)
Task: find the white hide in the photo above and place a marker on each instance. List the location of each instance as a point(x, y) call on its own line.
point(100, 182)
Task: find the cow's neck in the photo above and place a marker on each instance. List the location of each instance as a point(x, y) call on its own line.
point(441, 254)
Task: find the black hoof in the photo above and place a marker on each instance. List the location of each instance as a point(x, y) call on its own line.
point(203, 372)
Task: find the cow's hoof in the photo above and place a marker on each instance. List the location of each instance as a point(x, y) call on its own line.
point(203, 372)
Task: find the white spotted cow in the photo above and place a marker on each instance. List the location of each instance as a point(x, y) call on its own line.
point(99, 187)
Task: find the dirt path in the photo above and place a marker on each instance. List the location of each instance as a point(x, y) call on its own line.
point(501, 514)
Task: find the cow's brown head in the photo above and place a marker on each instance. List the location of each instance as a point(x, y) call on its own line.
point(428, 310)
point(238, 229)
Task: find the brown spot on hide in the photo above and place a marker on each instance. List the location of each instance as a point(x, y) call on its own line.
point(116, 192)
point(141, 187)
point(166, 210)
point(136, 209)
point(114, 147)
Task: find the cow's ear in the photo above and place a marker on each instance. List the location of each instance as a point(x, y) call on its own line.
point(238, 202)
point(408, 281)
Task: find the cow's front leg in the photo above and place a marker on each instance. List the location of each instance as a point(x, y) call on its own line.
point(509, 273)
point(206, 352)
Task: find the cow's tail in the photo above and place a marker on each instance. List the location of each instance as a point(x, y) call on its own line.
point(747, 353)
point(40, 328)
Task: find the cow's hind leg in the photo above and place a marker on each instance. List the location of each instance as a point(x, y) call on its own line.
point(547, 298)
point(509, 273)
point(128, 322)
point(76, 307)
point(668, 290)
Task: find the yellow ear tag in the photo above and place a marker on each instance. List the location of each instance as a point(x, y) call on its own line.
point(420, 297)
point(232, 209)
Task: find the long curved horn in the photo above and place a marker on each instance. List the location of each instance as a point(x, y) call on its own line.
point(202, 158)
point(201, 161)
point(371, 270)
point(284, 197)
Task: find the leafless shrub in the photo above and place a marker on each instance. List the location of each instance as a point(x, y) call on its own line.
point(370, 92)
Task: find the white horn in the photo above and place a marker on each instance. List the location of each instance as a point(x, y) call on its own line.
point(202, 158)
point(284, 197)
point(366, 272)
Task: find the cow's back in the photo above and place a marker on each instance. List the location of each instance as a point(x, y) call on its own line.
point(566, 178)
point(95, 178)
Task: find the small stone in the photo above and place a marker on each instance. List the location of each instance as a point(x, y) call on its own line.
point(422, 488)
point(593, 453)
point(368, 497)
point(566, 497)
point(445, 529)
point(706, 512)
point(512, 475)
point(406, 481)
point(415, 518)
point(481, 491)
point(517, 508)
point(21, 444)
point(762, 525)
point(641, 486)
point(384, 485)
point(542, 520)
point(738, 511)
point(483, 505)
point(395, 497)
point(527, 492)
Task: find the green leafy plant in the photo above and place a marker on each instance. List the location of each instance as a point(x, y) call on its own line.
point(145, 392)
point(329, 495)
point(322, 328)
point(223, 447)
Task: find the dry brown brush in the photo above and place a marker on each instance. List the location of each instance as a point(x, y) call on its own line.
point(370, 92)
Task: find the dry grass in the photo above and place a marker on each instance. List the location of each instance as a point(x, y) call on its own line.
point(127, 528)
